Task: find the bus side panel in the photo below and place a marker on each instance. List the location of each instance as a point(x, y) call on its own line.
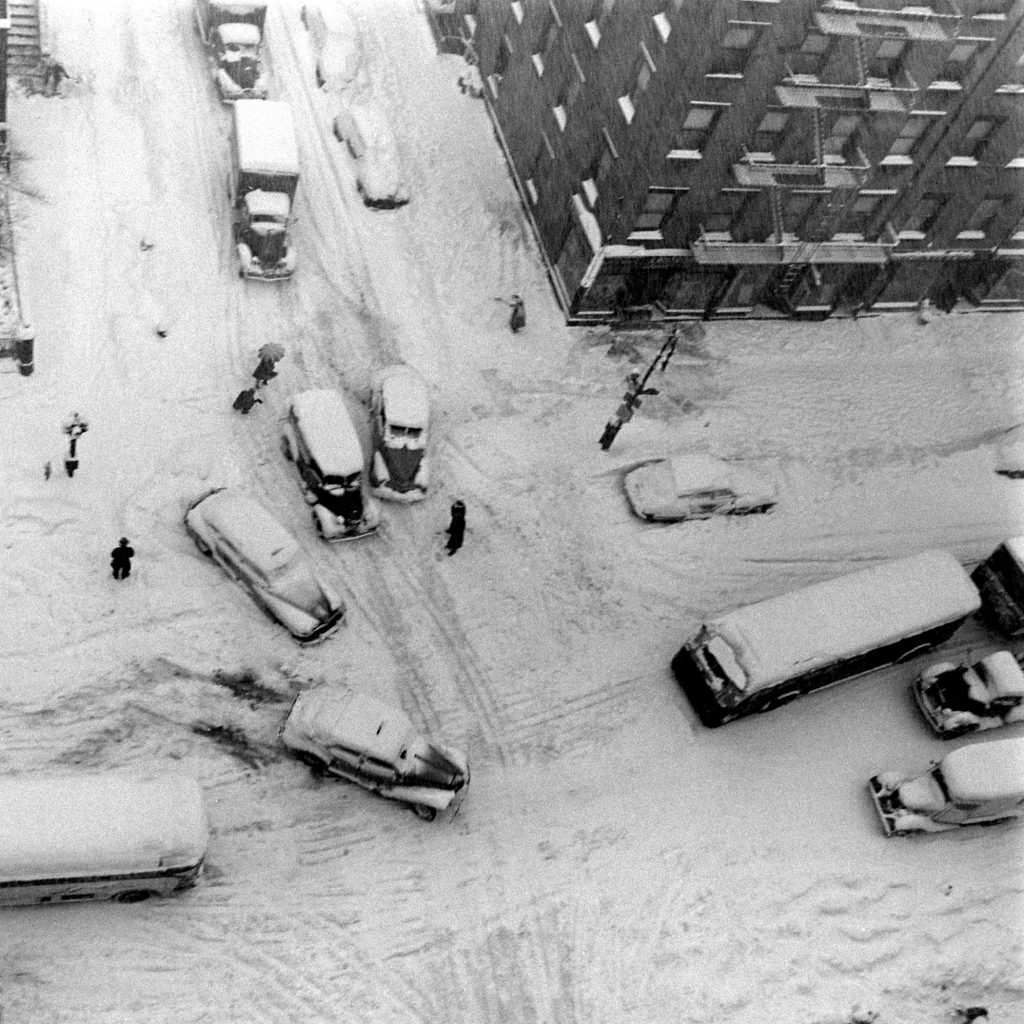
point(22, 892)
point(998, 604)
point(712, 714)
point(691, 678)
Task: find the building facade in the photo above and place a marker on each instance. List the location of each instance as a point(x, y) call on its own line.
point(717, 158)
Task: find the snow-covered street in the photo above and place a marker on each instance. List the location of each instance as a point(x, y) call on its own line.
point(614, 862)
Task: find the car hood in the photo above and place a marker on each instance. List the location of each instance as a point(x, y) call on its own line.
point(302, 590)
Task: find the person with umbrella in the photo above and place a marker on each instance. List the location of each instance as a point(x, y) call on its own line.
point(270, 354)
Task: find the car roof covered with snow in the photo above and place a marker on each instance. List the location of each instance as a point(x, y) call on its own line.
point(404, 396)
point(250, 527)
point(983, 772)
point(275, 205)
point(99, 823)
point(239, 33)
point(332, 715)
point(329, 431)
point(813, 626)
point(700, 472)
point(265, 134)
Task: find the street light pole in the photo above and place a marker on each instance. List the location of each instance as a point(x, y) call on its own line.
point(636, 386)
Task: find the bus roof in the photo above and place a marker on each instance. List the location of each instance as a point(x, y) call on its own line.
point(985, 772)
point(67, 825)
point(825, 622)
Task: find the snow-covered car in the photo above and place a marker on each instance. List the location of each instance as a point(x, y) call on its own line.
point(958, 699)
point(980, 784)
point(318, 435)
point(255, 550)
point(696, 486)
point(1008, 451)
point(337, 45)
point(341, 732)
point(400, 419)
point(367, 135)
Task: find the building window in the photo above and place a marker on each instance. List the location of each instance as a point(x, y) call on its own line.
point(984, 216)
point(839, 133)
point(658, 207)
point(863, 207)
point(727, 211)
point(502, 58)
point(599, 11)
point(811, 56)
point(910, 134)
point(887, 58)
point(698, 126)
point(924, 214)
point(959, 63)
point(978, 137)
point(643, 71)
point(734, 49)
point(548, 38)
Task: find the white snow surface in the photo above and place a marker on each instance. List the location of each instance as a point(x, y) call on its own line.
point(614, 862)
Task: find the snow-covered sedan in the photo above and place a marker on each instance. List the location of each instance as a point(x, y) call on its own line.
point(958, 699)
point(254, 549)
point(364, 128)
point(348, 734)
point(696, 486)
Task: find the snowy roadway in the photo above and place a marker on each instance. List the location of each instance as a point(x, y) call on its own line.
point(614, 861)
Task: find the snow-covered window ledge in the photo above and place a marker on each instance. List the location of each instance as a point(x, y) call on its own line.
point(560, 116)
point(587, 222)
point(1017, 163)
point(644, 236)
point(961, 161)
point(971, 236)
point(896, 160)
point(538, 64)
point(493, 81)
point(589, 191)
point(911, 236)
point(531, 190)
point(517, 11)
point(662, 25)
point(627, 108)
point(943, 86)
point(593, 32)
point(684, 154)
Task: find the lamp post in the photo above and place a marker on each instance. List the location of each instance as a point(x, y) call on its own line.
point(636, 386)
point(74, 427)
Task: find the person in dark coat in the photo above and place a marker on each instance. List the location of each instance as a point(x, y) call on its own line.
point(246, 400)
point(517, 319)
point(121, 559)
point(264, 372)
point(457, 527)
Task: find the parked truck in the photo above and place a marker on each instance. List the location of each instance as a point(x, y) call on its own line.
point(232, 32)
point(262, 183)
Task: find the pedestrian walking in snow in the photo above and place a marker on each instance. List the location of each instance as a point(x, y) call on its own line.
point(517, 319)
point(47, 470)
point(121, 559)
point(53, 74)
point(264, 372)
point(457, 527)
point(245, 401)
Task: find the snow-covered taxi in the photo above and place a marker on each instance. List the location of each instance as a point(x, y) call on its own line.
point(980, 784)
point(695, 486)
point(400, 419)
point(958, 699)
point(254, 549)
point(348, 734)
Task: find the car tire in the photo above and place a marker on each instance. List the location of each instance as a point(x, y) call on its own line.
point(423, 812)
point(133, 896)
point(204, 548)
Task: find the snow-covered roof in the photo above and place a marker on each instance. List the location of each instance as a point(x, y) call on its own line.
point(986, 771)
point(404, 395)
point(265, 137)
point(336, 716)
point(239, 33)
point(62, 825)
point(816, 625)
point(252, 529)
point(329, 431)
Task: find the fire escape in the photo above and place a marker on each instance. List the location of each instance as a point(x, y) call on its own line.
point(834, 177)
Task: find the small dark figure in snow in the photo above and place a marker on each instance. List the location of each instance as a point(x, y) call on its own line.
point(517, 319)
point(264, 372)
point(53, 74)
point(971, 1013)
point(47, 470)
point(121, 559)
point(457, 527)
point(246, 400)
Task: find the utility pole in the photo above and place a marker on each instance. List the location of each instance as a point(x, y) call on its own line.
point(636, 386)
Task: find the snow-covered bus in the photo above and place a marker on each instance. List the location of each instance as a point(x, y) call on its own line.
point(68, 838)
point(766, 654)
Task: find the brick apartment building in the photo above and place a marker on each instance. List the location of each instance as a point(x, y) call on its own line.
point(713, 158)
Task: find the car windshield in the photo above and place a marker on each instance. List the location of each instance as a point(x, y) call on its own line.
point(410, 432)
point(344, 482)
